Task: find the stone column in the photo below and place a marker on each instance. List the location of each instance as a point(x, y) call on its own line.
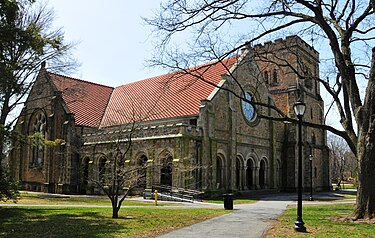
point(256, 178)
point(243, 177)
point(266, 178)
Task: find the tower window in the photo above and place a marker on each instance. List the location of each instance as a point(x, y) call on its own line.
point(274, 77)
point(266, 79)
point(308, 78)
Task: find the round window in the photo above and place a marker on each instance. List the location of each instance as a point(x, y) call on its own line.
point(248, 109)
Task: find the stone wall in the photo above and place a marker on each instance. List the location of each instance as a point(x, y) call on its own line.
point(55, 172)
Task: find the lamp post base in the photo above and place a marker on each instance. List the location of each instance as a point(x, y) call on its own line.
point(311, 198)
point(299, 226)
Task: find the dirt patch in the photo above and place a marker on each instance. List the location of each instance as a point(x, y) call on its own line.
point(352, 220)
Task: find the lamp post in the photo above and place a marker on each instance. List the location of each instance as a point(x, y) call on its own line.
point(299, 109)
point(311, 178)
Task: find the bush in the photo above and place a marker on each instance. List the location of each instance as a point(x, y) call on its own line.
point(8, 187)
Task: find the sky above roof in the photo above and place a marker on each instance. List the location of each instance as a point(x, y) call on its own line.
point(113, 41)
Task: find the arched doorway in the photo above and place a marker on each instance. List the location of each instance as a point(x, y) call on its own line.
point(102, 169)
point(262, 173)
point(166, 171)
point(249, 174)
point(142, 171)
point(219, 173)
point(239, 175)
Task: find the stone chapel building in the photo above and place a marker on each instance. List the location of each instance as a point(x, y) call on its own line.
point(192, 133)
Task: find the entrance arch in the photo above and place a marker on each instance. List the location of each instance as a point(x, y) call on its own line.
point(166, 171)
point(220, 172)
point(142, 171)
point(249, 174)
point(240, 173)
point(263, 173)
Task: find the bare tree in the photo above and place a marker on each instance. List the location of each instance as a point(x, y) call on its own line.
point(343, 163)
point(117, 173)
point(344, 27)
point(114, 175)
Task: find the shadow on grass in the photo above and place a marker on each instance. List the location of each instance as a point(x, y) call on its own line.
point(292, 196)
point(52, 222)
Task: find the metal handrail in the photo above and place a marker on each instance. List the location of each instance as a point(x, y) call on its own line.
point(180, 193)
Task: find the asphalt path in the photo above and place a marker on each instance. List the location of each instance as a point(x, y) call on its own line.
point(250, 220)
point(246, 220)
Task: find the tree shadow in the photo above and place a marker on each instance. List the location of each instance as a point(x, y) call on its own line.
point(56, 222)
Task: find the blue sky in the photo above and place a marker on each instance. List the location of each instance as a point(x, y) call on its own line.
point(113, 41)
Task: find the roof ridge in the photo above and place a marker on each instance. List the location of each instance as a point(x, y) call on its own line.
point(85, 81)
point(183, 71)
point(106, 108)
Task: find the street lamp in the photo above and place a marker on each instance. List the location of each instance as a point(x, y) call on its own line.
point(311, 178)
point(299, 109)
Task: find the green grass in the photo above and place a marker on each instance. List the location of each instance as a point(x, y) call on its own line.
point(96, 222)
point(47, 199)
point(319, 223)
point(235, 201)
point(344, 186)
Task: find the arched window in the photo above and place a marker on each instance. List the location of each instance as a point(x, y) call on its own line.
point(219, 173)
point(274, 77)
point(38, 131)
point(266, 77)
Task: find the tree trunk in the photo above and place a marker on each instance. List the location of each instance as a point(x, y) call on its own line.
point(365, 207)
point(114, 210)
point(3, 116)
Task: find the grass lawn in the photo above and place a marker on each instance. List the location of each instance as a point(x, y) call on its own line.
point(96, 222)
point(319, 221)
point(344, 186)
point(47, 199)
point(235, 201)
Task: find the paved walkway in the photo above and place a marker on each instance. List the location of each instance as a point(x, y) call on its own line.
point(247, 220)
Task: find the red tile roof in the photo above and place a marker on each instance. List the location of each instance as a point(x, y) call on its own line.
point(86, 100)
point(171, 95)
